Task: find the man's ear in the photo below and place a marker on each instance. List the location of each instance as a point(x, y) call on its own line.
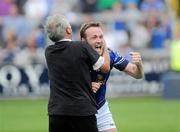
point(68, 30)
point(82, 39)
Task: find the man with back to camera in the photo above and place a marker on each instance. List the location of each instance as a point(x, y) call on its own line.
point(92, 33)
point(72, 104)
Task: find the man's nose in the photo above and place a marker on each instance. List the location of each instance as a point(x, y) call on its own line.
point(99, 40)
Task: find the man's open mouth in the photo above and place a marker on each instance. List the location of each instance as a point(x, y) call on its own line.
point(98, 47)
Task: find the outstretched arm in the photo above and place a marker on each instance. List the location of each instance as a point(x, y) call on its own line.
point(135, 68)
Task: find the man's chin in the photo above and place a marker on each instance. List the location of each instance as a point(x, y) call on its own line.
point(100, 52)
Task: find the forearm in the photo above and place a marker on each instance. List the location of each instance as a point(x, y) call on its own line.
point(106, 66)
point(106, 57)
point(135, 70)
point(136, 66)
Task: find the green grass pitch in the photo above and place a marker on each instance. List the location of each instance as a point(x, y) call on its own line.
point(132, 114)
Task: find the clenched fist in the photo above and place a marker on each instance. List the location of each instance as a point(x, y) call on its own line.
point(136, 58)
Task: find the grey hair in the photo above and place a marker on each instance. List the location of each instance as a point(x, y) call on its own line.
point(55, 27)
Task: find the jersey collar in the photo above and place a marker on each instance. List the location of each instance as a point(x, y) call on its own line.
point(64, 40)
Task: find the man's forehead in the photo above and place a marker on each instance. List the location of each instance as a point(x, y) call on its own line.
point(94, 30)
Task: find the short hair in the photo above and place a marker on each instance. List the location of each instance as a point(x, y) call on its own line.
point(55, 27)
point(87, 25)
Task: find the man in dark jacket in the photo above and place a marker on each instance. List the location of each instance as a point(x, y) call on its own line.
point(72, 104)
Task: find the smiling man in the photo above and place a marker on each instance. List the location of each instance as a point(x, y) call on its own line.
point(92, 33)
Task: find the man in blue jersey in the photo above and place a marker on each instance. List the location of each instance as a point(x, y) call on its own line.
point(93, 34)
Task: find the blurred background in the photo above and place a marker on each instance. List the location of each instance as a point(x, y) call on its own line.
point(151, 27)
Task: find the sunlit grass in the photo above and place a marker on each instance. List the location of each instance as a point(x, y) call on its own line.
point(132, 114)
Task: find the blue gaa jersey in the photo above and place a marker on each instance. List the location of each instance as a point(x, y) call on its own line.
point(116, 61)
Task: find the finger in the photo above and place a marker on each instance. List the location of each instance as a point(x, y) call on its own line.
point(94, 90)
point(134, 53)
point(136, 59)
point(135, 56)
point(95, 87)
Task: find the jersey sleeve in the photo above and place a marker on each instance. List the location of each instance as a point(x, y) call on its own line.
point(95, 60)
point(119, 62)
